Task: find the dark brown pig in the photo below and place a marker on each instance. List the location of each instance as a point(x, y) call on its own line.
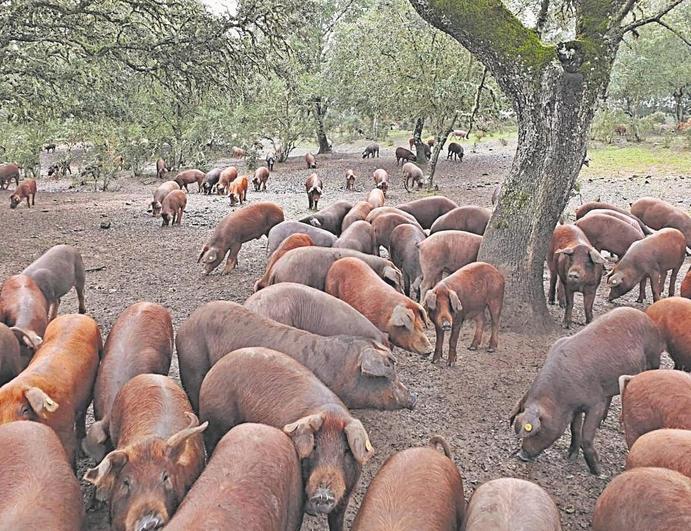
point(405, 255)
point(309, 266)
point(7, 173)
point(173, 207)
point(313, 187)
point(469, 218)
point(665, 448)
point(311, 161)
point(312, 310)
point(609, 234)
point(376, 198)
point(263, 461)
point(650, 258)
point(380, 211)
point(412, 176)
point(56, 272)
point(39, 489)
point(330, 218)
point(577, 266)
point(445, 252)
point(228, 175)
point(159, 195)
point(381, 180)
point(24, 308)
point(465, 295)
point(654, 400)
point(580, 376)
point(360, 371)
point(658, 214)
point(11, 362)
point(506, 504)
point(359, 236)
point(403, 154)
point(140, 342)
point(270, 159)
point(383, 226)
point(357, 213)
point(582, 210)
point(161, 168)
point(673, 317)
point(237, 190)
point(25, 190)
point(349, 180)
point(188, 177)
point(236, 228)
point(159, 453)
point(404, 320)
point(685, 290)
point(211, 180)
point(55, 388)
point(454, 152)
point(331, 444)
point(371, 150)
point(644, 499)
point(418, 488)
point(428, 209)
point(261, 176)
point(291, 242)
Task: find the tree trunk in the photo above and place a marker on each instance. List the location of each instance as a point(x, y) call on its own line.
point(319, 112)
point(436, 150)
point(420, 154)
point(678, 96)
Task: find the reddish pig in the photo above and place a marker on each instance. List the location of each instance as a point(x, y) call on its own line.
point(405, 255)
point(582, 210)
point(173, 206)
point(359, 212)
point(24, 308)
point(7, 173)
point(228, 175)
point(159, 195)
point(330, 218)
point(25, 190)
point(380, 211)
point(608, 233)
point(291, 242)
point(658, 214)
point(376, 198)
point(11, 361)
point(311, 161)
point(188, 177)
point(359, 236)
point(412, 176)
point(320, 237)
point(161, 168)
point(381, 180)
point(469, 218)
point(685, 290)
point(261, 176)
point(673, 317)
point(313, 187)
point(237, 191)
point(428, 209)
point(349, 180)
point(664, 448)
point(383, 226)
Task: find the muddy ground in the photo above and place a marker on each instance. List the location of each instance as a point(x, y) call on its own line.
point(469, 404)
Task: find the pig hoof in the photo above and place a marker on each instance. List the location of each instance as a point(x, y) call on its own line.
point(491, 349)
point(472, 347)
point(573, 456)
point(566, 325)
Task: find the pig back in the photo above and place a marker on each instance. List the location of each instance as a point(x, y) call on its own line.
point(248, 223)
point(162, 191)
point(428, 209)
point(451, 249)
point(608, 233)
point(283, 230)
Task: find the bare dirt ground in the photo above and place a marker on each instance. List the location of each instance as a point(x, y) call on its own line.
point(469, 404)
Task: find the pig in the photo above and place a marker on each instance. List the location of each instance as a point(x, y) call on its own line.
point(314, 311)
point(403, 154)
point(25, 190)
point(236, 228)
point(160, 194)
point(404, 320)
point(381, 180)
point(280, 232)
point(371, 150)
point(469, 218)
point(412, 175)
point(360, 371)
point(313, 187)
point(188, 177)
point(350, 180)
point(140, 342)
point(427, 150)
point(445, 252)
point(359, 236)
point(238, 152)
point(622, 216)
point(291, 242)
point(685, 289)
point(411, 143)
point(331, 444)
point(330, 218)
point(506, 504)
point(654, 400)
point(465, 295)
point(644, 498)
point(309, 266)
point(55, 388)
point(431, 141)
point(39, 488)
point(404, 254)
point(428, 209)
point(159, 453)
point(582, 210)
point(608, 233)
point(380, 211)
point(577, 266)
point(261, 176)
point(383, 225)
point(311, 161)
point(173, 207)
point(376, 198)
point(650, 258)
point(161, 168)
point(620, 130)
point(580, 375)
point(665, 448)
point(228, 175)
point(357, 213)
point(454, 152)
point(673, 318)
point(211, 180)
point(7, 173)
point(418, 488)
point(11, 362)
point(24, 308)
point(460, 133)
point(270, 160)
point(263, 460)
point(237, 190)
point(658, 214)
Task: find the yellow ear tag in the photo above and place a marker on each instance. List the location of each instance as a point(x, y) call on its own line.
point(528, 427)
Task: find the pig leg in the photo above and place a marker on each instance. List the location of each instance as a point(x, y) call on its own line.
point(180, 216)
point(33, 199)
point(28, 197)
point(552, 286)
point(479, 325)
point(560, 294)
point(576, 427)
point(655, 285)
point(641, 291)
point(604, 417)
point(336, 516)
point(53, 309)
point(568, 293)
point(672, 282)
point(453, 340)
point(592, 421)
point(588, 300)
point(495, 314)
point(232, 260)
point(439, 344)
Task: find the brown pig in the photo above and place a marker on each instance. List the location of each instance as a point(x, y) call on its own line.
point(577, 266)
point(359, 236)
point(311, 161)
point(55, 388)
point(261, 176)
point(582, 210)
point(24, 308)
point(357, 213)
point(412, 176)
point(376, 198)
point(609, 234)
point(159, 195)
point(383, 226)
point(293, 241)
point(312, 310)
point(581, 375)
point(39, 489)
point(454, 151)
point(360, 371)
point(445, 252)
point(405, 255)
point(236, 228)
point(350, 180)
point(264, 462)
point(159, 453)
point(673, 317)
point(278, 234)
point(418, 488)
point(313, 187)
point(658, 214)
point(469, 218)
point(644, 499)
point(465, 295)
point(403, 154)
point(25, 190)
point(380, 211)
point(428, 209)
point(665, 448)
point(685, 290)
point(506, 504)
point(330, 218)
point(371, 150)
point(404, 320)
point(620, 216)
point(161, 168)
point(650, 258)
point(173, 206)
point(331, 444)
point(237, 191)
point(228, 175)
point(381, 180)
point(140, 342)
point(238, 152)
point(188, 177)
point(11, 362)
point(211, 180)
point(654, 400)
point(7, 173)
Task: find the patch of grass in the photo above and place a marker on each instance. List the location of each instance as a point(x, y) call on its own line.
point(640, 159)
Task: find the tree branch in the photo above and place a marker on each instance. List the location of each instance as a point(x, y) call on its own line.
point(542, 17)
point(650, 19)
point(676, 32)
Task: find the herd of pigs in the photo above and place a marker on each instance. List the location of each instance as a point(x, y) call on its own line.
point(260, 431)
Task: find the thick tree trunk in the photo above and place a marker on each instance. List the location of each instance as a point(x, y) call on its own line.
point(420, 154)
point(678, 96)
point(436, 150)
point(319, 112)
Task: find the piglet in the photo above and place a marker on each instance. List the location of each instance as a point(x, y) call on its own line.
point(261, 176)
point(173, 206)
point(237, 191)
point(311, 161)
point(412, 176)
point(313, 187)
point(350, 180)
point(25, 190)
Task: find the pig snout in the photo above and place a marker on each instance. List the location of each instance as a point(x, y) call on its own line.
point(149, 522)
point(322, 501)
point(574, 275)
point(446, 325)
point(404, 397)
point(525, 457)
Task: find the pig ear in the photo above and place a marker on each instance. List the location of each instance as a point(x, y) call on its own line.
point(402, 316)
point(302, 433)
point(392, 274)
point(568, 250)
point(204, 249)
point(372, 363)
point(359, 442)
point(27, 337)
point(430, 300)
point(527, 423)
point(176, 443)
point(596, 257)
point(456, 305)
point(613, 280)
point(40, 402)
point(315, 222)
point(103, 476)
